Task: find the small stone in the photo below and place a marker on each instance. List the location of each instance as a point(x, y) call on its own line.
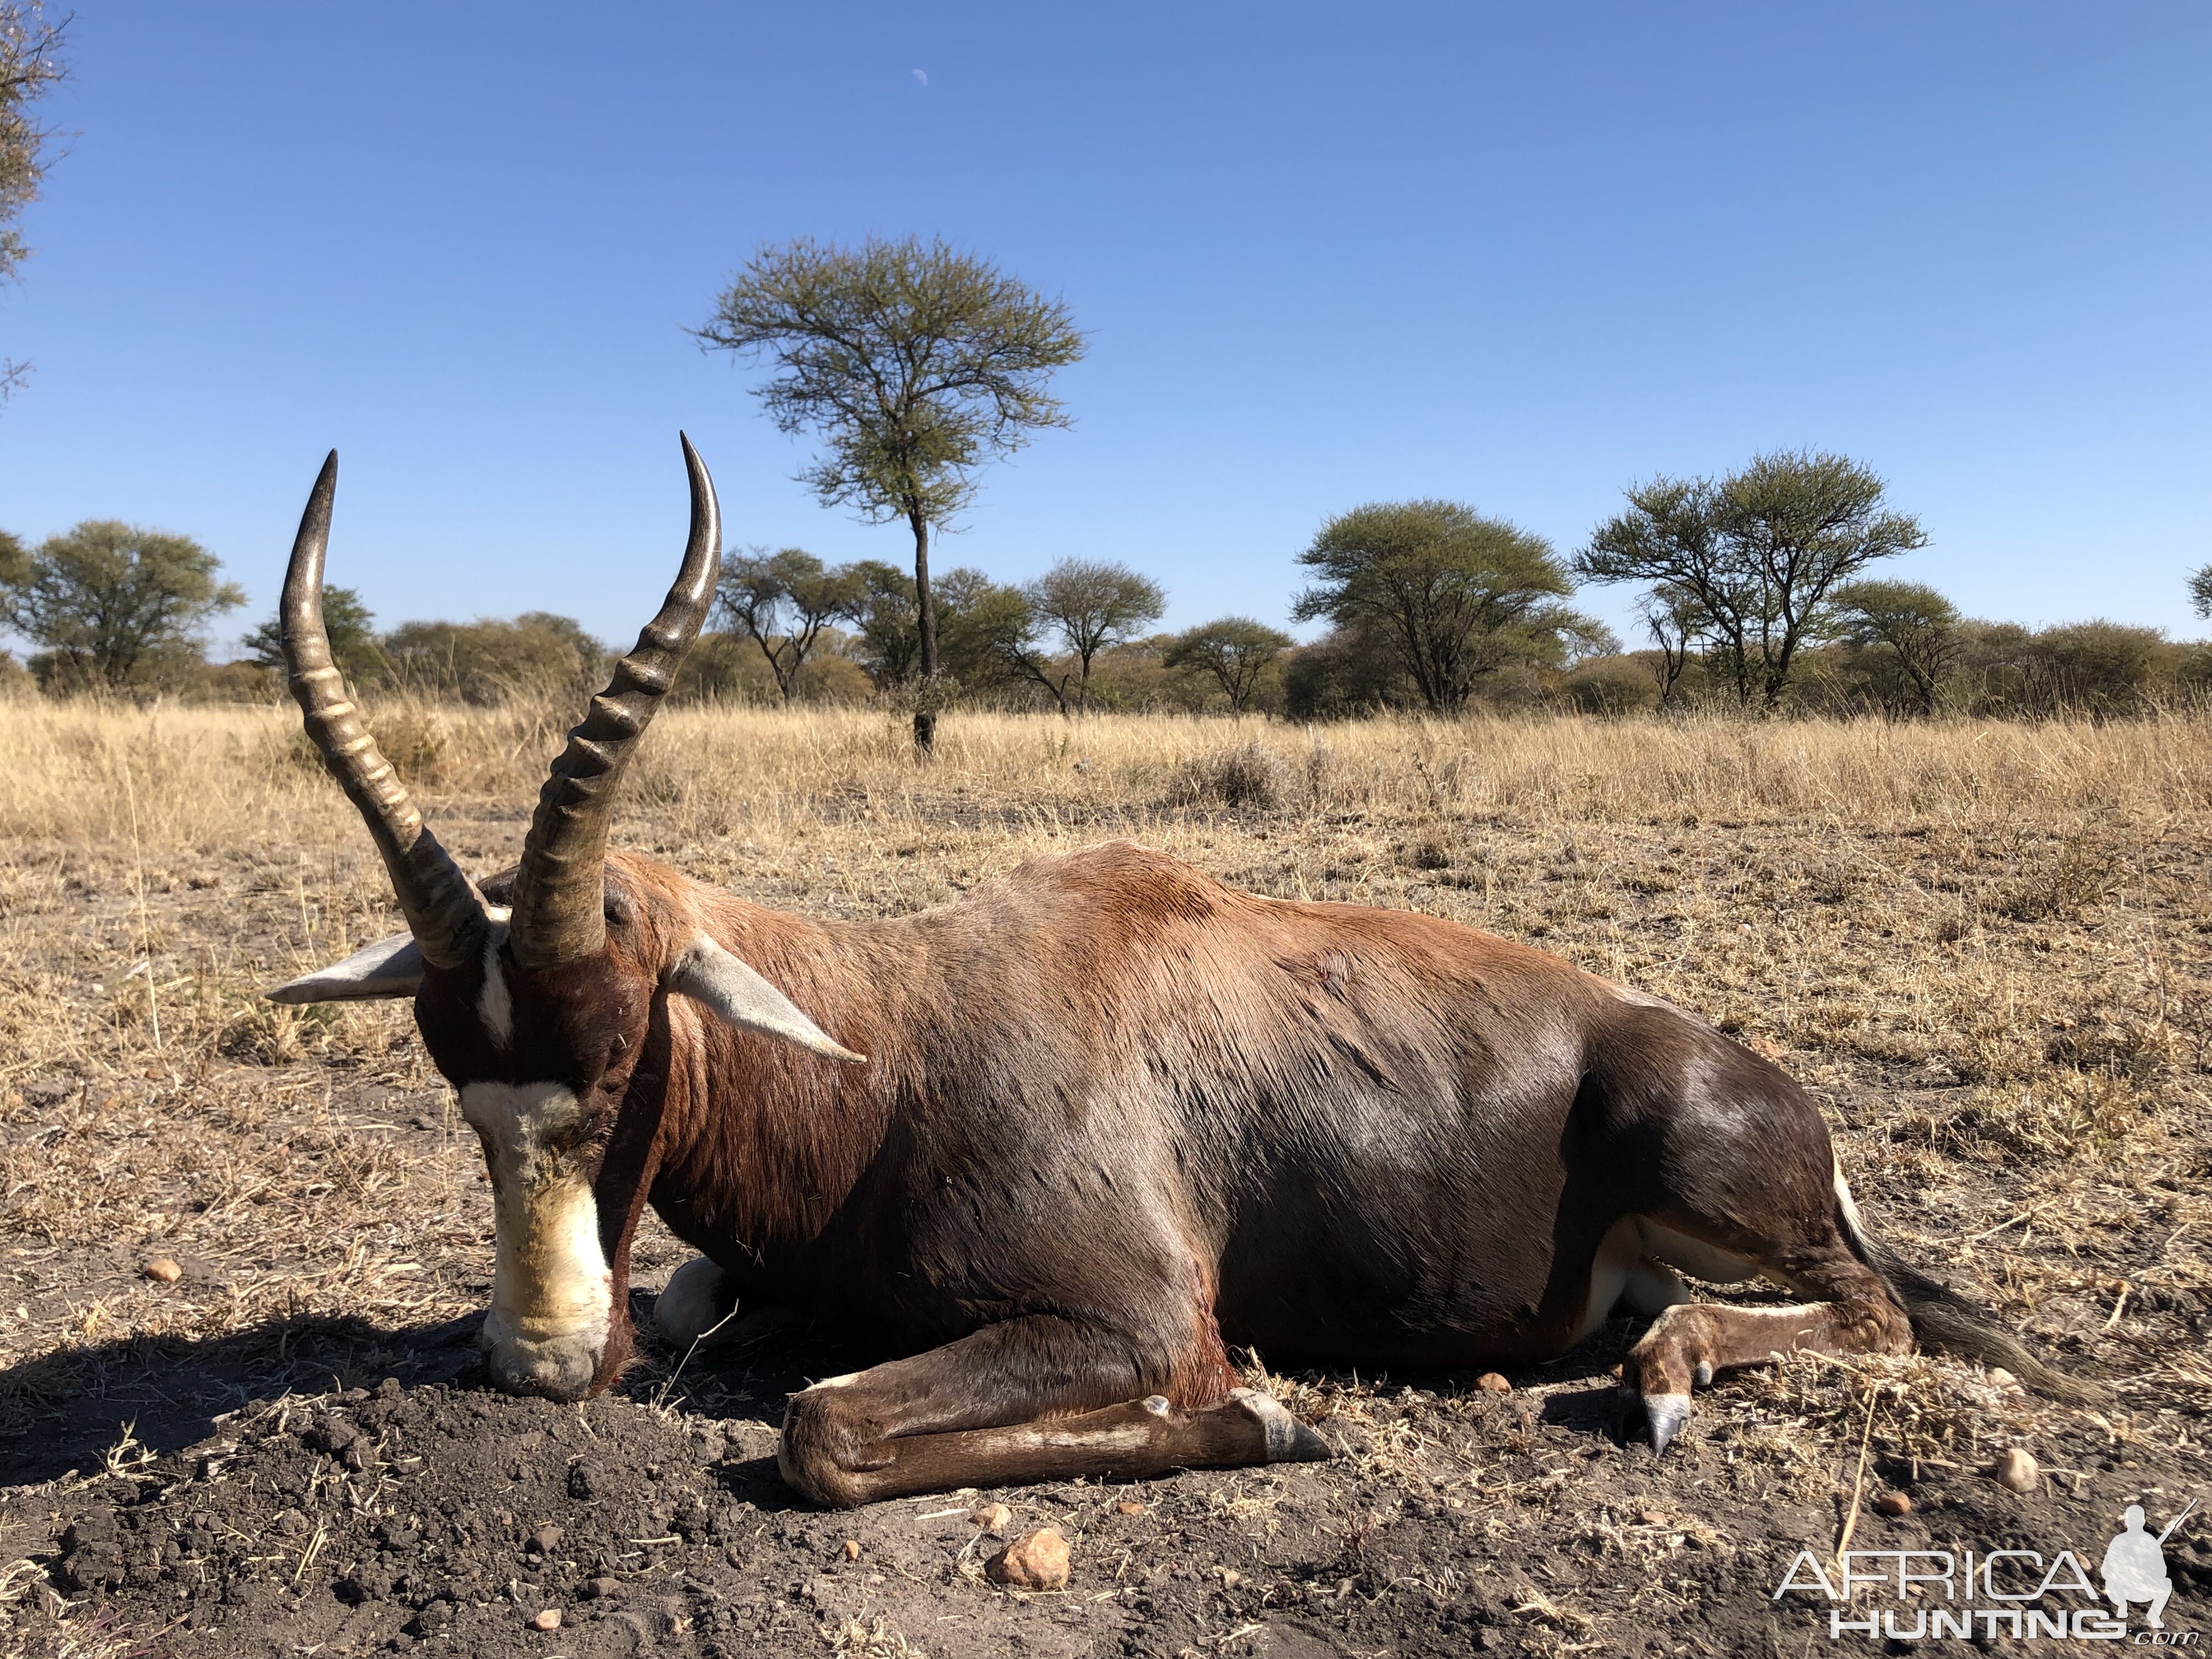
point(852, 1549)
point(546, 1539)
point(599, 1589)
point(1129, 1506)
point(1230, 1578)
point(2018, 1470)
point(163, 1270)
point(993, 1517)
point(1892, 1503)
point(549, 1619)
point(1035, 1561)
point(2001, 1377)
point(1652, 1518)
point(1492, 1383)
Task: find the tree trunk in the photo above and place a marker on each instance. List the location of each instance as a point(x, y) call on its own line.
point(925, 621)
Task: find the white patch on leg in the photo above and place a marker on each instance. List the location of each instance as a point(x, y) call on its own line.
point(1616, 1258)
point(552, 1290)
point(696, 1300)
point(1695, 1256)
point(1653, 1287)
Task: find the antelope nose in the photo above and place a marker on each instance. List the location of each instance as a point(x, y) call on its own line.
point(558, 1367)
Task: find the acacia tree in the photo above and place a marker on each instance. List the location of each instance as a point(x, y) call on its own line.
point(1910, 624)
point(1235, 650)
point(2200, 592)
point(1092, 605)
point(1675, 622)
point(784, 601)
point(914, 363)
point(1455, 593)
point(1759, 551)
point(30, 66)
point(106, 598)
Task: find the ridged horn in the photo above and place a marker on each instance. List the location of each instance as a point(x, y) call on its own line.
point(559, 905)
point(442, 907)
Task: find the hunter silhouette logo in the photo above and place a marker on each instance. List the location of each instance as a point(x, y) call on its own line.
point(1982, 1594)
point(2135, 1566)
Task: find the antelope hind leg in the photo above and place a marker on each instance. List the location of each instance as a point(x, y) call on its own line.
point(1689, 1343)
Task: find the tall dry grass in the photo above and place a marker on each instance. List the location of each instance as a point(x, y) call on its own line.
point(208, 778)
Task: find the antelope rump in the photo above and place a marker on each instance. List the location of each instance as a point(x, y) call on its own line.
point(1059, 1144)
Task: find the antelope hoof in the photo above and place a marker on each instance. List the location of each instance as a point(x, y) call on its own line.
point(1666, 1413)
point(1289, 1440)
point(699, 1297)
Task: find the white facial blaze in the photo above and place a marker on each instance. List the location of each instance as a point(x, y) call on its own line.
point(552, 1290)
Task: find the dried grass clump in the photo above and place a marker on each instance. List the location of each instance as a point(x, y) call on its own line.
point(1247, 774)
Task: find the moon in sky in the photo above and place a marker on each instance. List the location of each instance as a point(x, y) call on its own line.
point(921, 75)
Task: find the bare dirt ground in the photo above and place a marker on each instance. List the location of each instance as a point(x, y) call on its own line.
point(1988, 950)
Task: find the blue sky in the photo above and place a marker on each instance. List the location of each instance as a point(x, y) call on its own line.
point(1518, 256)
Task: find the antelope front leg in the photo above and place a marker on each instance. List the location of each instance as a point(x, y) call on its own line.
point(1023, 1401)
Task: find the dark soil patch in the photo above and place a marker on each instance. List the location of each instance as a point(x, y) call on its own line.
point(443, 1517)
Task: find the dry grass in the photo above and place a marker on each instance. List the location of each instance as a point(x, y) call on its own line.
point(1987, 947)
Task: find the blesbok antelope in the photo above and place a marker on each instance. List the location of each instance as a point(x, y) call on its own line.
point(1058, 1142)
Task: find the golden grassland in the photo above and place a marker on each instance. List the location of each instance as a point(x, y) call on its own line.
point(1987, 948)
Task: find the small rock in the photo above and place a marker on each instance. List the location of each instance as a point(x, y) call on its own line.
point(1492, 1383)
point(2018, 1470)
point(161, 1268)
point(1035, 1561)
point(546, 1539)
point(2001, 1377)
point(1230, 1578)
point(993, 1517)
point(599, 1589)
point(1652, 1517)
point(1892, 1503)
point(96, 1528)
point(852, 1549)
point(583, 1482)
point(1129, 1506)
point(549, 1619)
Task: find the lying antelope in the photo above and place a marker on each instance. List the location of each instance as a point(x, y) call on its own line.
point(1060, 1143)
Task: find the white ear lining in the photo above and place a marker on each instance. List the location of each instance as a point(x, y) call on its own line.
point(709, 975)
point(390, 967)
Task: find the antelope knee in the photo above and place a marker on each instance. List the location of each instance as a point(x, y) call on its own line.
point(818, 1451)
point(699, 1297)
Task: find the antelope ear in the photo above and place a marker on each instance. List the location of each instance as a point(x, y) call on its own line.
point(735, 993)
point(390, 967)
